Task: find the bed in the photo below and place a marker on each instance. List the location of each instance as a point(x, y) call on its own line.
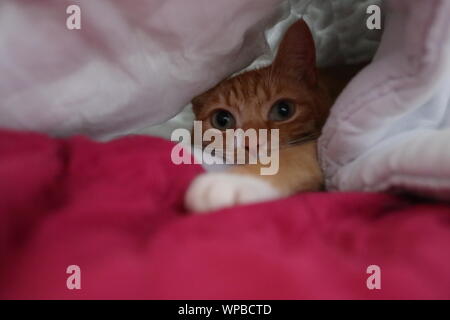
point(78, 202)
point(80, 187)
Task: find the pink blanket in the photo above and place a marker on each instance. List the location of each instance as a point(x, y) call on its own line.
point(115, 210)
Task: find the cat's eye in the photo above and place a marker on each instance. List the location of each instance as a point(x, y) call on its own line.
point(223, 120)
point(282, 110)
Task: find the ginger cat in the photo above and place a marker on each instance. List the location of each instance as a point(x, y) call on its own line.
point(291, 95)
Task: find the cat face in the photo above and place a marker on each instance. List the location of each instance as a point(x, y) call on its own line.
point(285, 95)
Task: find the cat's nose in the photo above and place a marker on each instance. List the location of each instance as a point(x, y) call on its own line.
point(256, 145)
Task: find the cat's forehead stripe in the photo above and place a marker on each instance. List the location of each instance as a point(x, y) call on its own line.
point(245, 89)
point(256, 87)
point(224, 99)
point(233, 94)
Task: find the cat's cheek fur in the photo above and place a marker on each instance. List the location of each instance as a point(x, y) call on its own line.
point(212, 191)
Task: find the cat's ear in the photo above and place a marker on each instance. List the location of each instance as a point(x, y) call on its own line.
point(296, 54)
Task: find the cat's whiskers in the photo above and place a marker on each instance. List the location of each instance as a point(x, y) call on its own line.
point(304, 139)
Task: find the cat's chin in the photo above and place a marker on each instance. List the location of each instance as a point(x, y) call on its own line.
point(212, 191)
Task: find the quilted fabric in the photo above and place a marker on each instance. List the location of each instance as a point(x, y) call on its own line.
point(390, 128)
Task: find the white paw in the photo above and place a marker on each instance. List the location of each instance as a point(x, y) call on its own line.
point(212, 191)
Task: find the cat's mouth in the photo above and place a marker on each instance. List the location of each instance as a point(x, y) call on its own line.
point(241, 153)
point(238, 155)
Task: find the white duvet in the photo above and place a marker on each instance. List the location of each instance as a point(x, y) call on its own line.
point(390, 129)
point(137, 63)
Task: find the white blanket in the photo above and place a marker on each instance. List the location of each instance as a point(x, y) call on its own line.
point(137, 63)
point(133, 63)
point(390, 129)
